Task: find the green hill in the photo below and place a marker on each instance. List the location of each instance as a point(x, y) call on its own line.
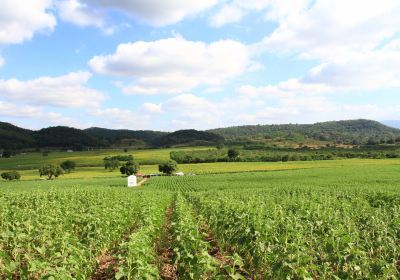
point(120, 136)
point(188, 136)
point(348, 132)
point(66, 137)
point(13, 137)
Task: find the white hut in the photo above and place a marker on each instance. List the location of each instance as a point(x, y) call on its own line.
point(179, 174)
point(132, 181)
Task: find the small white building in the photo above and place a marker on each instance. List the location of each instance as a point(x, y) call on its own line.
point(132, 181)
point(179, 174)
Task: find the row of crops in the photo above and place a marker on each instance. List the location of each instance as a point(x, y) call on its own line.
point(301, 227)
point(299, 224)
point(62, 233)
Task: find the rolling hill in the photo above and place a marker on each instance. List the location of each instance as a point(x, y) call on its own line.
point(350, 131)
point(347, 132)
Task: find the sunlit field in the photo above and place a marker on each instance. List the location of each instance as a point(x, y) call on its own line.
point(325, 220)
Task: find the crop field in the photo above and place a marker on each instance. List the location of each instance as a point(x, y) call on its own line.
point(338, 221)
point(29, 161)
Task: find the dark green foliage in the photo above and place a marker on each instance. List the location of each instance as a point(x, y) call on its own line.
point(11, 175)
point(355, 132)
point(288, 154)
point(13, 137)
point(233, 154)
point(129, 168)
point(51, 171)
point(7, 154)
point(68, 165)
point(120, 157)
point(111, 163)
point(186, 137)
point(168, 167)
point(65, 137)
point(348, 132)
point(111, 136)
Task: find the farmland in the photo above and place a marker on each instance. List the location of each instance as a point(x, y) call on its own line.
point(320, 220)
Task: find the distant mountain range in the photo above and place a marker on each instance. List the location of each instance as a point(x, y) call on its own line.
point(348, 132)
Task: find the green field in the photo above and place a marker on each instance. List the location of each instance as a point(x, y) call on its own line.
point(90, 164)
point(94, 158)
point(298, 220)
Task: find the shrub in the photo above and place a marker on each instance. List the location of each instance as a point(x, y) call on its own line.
point(168, 167)
point(129, 168)
point(51, 171)
point(68, 165)
point(11, 175)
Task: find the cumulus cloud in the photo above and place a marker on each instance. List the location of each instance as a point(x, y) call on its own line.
point(121, 118)
point(330, 30)
point(174, 65)
point(227, 14)
point(364, 71)
point(152, 108)
point(8, 109)
point(80, 14)
point(236, 10)
point(64, 91)
point(20, 20)
point(151, 12)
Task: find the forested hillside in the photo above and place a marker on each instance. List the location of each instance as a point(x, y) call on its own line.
point(348, 132)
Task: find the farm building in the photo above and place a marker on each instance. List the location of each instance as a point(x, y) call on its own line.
point(132, 181)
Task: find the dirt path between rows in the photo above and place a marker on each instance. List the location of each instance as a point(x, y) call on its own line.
point(222, 259)
point(168, 270)
point(108, 262)
point(144, 180)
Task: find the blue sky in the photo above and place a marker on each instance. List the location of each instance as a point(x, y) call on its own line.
point(174, 64)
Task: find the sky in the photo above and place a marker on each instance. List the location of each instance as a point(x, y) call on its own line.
point(178, 64)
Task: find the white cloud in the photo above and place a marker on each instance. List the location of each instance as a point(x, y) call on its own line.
point(330, 30)
point(227, 14)
point(174, 65)
point(289, 88)
point(8, 109)
point(236, 10)
point(152, 108)
point(21, 19)
point(121, 118)
point(80, 13)
point(63, 91)
point(364, 71)
point(151, 12)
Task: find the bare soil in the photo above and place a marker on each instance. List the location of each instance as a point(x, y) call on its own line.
point(168, 269)
point(108, 262)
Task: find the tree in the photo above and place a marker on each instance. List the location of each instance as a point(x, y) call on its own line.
point(7, 153)
point(111, 163)
point(168, 167)
point(51, 171)
point(129, 168)
point(220, 146)
point(233, 154)
point(68, 165)
point(11, 175)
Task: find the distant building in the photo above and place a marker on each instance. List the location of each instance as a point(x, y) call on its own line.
point(132, 181)
point(180, 174)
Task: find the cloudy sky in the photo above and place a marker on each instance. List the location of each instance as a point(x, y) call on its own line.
point(173, 64)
